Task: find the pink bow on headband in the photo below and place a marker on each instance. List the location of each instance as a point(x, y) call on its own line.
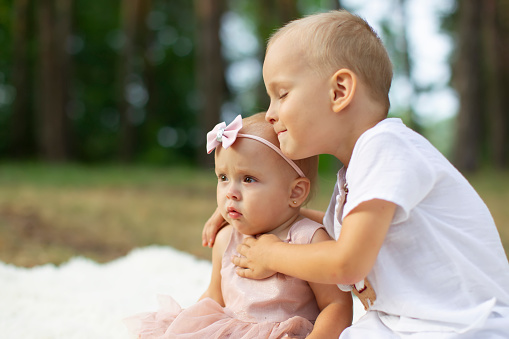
point(226, 136)
point(223, 135)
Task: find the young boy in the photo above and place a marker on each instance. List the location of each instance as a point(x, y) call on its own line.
point(411, 232)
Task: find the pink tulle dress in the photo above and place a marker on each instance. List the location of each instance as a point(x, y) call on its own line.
point(276, 307)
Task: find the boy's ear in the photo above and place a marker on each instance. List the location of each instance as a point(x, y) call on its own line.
point(299, 191)
point(343, 86)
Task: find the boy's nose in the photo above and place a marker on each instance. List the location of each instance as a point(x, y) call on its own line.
point(270, 116)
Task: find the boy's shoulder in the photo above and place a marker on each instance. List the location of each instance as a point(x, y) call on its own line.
point(387, 125)
point(392, 145)
point(392, 132)
point(383, 132)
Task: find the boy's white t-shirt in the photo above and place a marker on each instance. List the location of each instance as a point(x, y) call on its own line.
point(442, 266)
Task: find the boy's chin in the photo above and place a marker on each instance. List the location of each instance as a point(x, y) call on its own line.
point(293, 153)
point(288, 150)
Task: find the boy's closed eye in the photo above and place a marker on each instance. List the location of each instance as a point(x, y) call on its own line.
point(276, 90)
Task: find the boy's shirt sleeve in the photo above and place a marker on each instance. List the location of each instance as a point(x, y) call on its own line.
point(388, 167)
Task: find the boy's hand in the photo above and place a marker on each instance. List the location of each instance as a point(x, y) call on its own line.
point(212, 226)
point(253, 260)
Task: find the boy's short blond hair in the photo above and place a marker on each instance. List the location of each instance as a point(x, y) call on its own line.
point(257, 125)
point(339, 39)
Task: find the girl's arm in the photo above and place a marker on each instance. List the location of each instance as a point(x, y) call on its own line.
point(336, 306)
point(214, 289)
point(345, 261)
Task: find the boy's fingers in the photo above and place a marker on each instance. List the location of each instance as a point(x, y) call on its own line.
point(240, 262)
point(212, 226)
point(240, 249)
point(204, 239)
point(207, 237)
point(244, 247)
point(243, 273)
point(211, 236)
point(249, 241)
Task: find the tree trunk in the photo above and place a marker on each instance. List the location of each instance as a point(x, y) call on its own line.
point(468, 79)
point(272, 16)
point(503, 56)
point(53, 80)
point(21, 135)
point(411, 116)
point(63, 34)
point(286, 10)
point(131, 71)
point(210, 67)
point(497, 88)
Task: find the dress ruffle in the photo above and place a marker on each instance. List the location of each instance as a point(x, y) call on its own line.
point(208, 319)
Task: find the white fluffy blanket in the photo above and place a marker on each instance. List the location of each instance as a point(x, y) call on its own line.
point(85, 300)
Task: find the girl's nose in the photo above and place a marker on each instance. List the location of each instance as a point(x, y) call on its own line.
point(232, 193)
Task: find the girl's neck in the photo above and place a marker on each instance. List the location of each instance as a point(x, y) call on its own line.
point(282, 230)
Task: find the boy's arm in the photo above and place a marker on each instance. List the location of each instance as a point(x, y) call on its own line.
point(214, 289)
point(345, 261)
point(336, 306)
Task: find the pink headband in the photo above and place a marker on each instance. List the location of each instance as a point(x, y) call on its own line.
point(226, 136)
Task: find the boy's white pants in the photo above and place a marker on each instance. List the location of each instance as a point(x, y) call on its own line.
point(370, 326)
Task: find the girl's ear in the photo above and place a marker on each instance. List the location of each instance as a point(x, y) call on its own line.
point(343, 86)
point(299, 191)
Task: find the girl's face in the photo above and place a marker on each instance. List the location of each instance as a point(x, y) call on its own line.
point(254, 187)
point(299, 100)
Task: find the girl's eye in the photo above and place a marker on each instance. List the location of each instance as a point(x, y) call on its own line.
point(222, 177)
point(249, 180)
point(283, 95)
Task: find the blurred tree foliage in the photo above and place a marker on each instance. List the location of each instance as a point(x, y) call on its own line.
point(143, 80)
point(130, 91)
point(481, 78)
point(120, 80)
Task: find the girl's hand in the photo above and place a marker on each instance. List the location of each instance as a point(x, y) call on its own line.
point(212, 226)
point(253, 260)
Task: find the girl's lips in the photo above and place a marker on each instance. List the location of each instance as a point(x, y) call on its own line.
point(234, 214)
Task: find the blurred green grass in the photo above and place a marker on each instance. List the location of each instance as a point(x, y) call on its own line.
point(50, 213)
